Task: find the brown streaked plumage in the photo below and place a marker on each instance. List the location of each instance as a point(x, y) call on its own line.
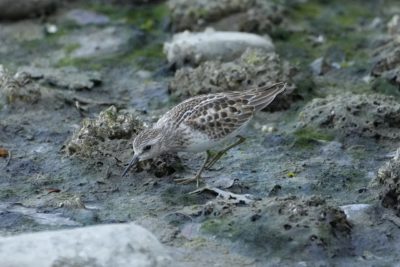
point(203, 122)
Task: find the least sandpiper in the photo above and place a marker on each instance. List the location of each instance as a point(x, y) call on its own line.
point(201, 123)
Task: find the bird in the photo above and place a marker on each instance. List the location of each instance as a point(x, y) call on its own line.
point(201, 123)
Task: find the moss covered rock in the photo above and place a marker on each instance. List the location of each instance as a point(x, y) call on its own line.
point(238, 15)
point(374, 115)
point(389, 179)
point(289, 224)
point(17, 88)
point(97, 135)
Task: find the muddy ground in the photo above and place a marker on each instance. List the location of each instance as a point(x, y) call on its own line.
point(311, 164)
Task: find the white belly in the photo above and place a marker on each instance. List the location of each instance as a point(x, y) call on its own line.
point(200, 142)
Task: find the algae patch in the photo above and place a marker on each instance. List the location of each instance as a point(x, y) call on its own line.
point(307, 137)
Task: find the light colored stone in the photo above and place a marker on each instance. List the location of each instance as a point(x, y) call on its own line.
point(107, 245)
point(194, 48)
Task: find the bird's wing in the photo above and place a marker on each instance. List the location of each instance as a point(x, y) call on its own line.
point(220, 116)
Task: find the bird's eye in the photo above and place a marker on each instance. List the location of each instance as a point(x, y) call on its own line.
point(147, 148)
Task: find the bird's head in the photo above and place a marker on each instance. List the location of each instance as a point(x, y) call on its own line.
point(146, 145)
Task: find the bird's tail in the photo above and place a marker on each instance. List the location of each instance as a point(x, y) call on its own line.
point(263, 96)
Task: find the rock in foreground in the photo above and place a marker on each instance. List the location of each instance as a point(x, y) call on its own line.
point(107, 245)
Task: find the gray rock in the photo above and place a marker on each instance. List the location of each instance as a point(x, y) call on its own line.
point(386, 61)
point(67, 77)
point(97, 42)
point(96, 135)
point(236, 15)
point(22, 9)
point(374, 115)
point(195, 48)
point(319, 66)
point(306, 228)
point(86, 17)
point(100, 246)
point(389, 181)
point(17, 88)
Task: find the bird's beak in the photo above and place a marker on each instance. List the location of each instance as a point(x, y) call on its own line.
point(134, 160)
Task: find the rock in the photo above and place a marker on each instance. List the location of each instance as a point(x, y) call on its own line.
point(194, 48)
point(335, 57)
point(102, 134)
point(17, 88)
point(10, 211)
point(237, 15)
point(255, 67)
point(389, 179)
point(393, 25)
point(100, 42)
point(374, 115)
point(86, 17)
point(105, 245)
point(21, 9)
point(386, 61)
point(68, 77)
point(356, 212)
point(13, 34)
point(305, 228)
point(319, 66)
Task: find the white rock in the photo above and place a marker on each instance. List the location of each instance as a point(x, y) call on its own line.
point(394, 25)
point(107, 245)
point(196, 47)
point(355, 211)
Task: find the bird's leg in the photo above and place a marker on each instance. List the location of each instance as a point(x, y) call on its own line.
point(223, 151)
point(197, 177)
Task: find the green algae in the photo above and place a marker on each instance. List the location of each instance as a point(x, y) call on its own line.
point(339, 24)
point(174, 195)
point(383, 86)
point(148, 18)
point(307, 137)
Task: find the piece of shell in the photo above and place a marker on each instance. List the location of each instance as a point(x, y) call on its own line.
point(3, 152)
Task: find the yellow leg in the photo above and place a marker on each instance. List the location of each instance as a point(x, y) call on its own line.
point(223, 151)
point(197, 177)
point(208, 163)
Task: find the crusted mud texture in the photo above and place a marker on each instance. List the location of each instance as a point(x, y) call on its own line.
point(254, 68)
point(289, 224)
point(16, 88)
point(389, 179)
point(97, 136)
point(249, 15)
point(374, 115)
